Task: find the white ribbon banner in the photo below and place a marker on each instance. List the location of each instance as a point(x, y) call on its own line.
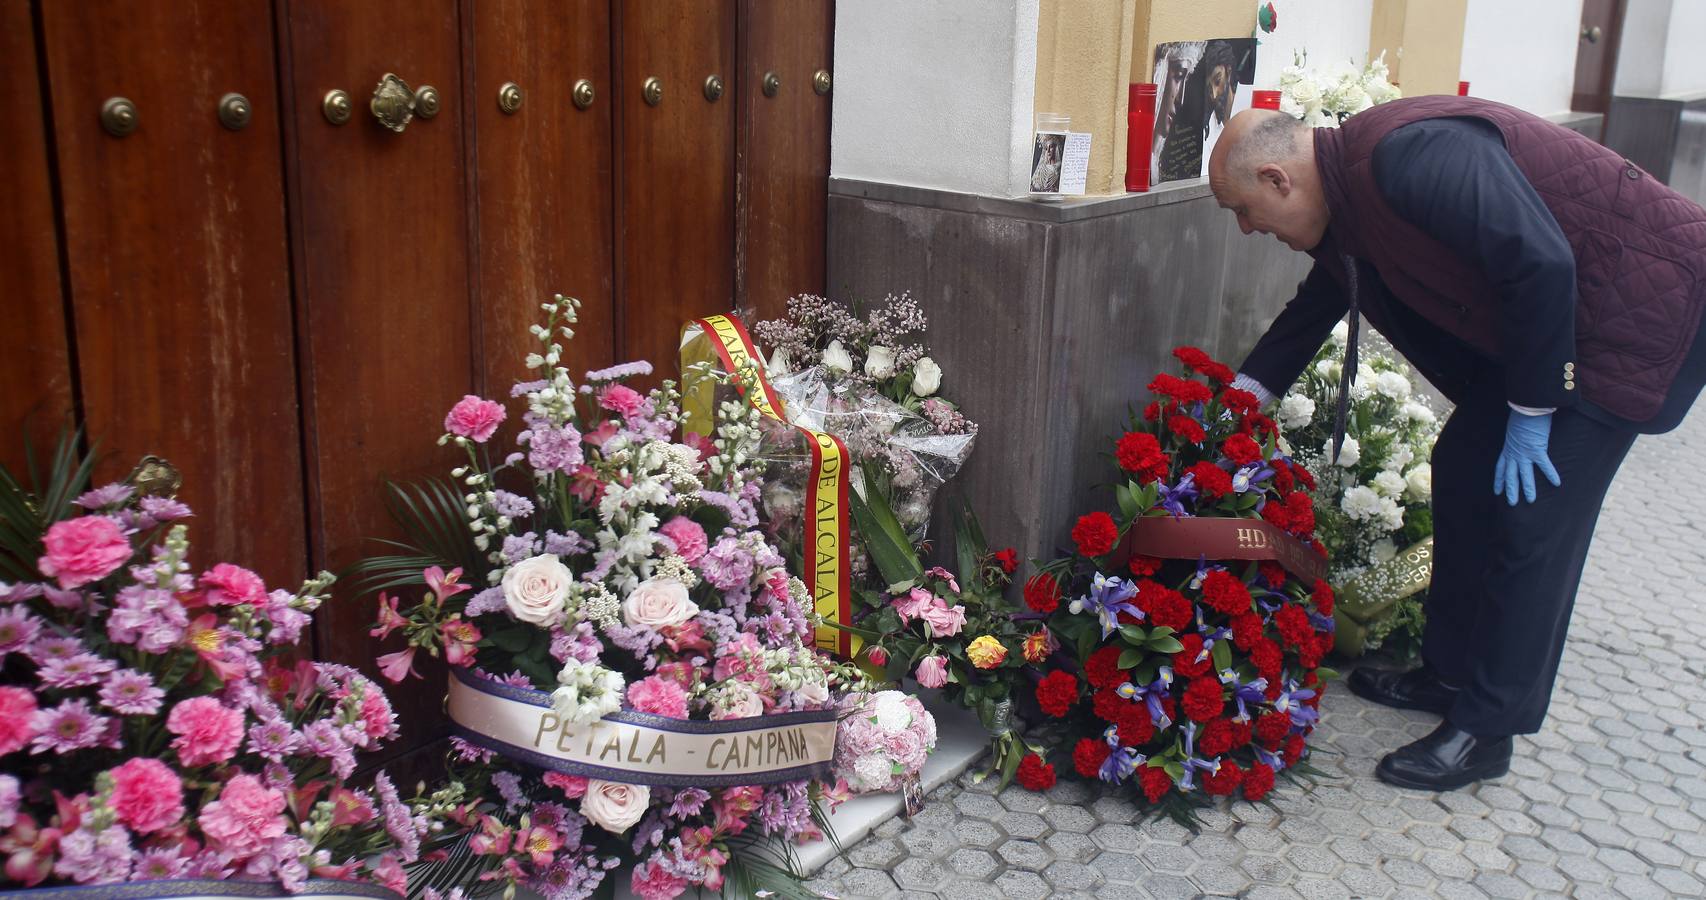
point(641, 748)
point(209, 889)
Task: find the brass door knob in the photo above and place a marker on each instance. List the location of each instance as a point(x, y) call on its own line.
point(234, 111)
point(1592, 34)
point(510, 97)
point(713, 88)
point(652, 91)
point(118, 116)
point(426, 101)
point(821, 82)
point(772, 84)
point(337, 107)
point(393, 103)
point(583, 94)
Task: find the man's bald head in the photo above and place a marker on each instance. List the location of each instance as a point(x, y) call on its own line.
point(1256, 137)
point(1263, 170)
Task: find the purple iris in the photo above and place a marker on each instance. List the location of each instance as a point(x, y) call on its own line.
point(1291, 703)
point(1270, 759)
point(1250, 477)
point(1151, 695)
point(1209, 636)
point(1192, 763)
point(1322, 623)
point(1245, 694)
point(1172, 499)
point(1122, 761)
point(1107, 599)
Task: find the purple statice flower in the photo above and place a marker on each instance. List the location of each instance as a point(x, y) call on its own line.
point(490, 600)
point(581, 644)
point(553, 448)
point(324, 739)
point(688, 802)
point(518, 547)
point(570, 877)
point(89, 857)
point(282, 862)
point(509, 788)
point(727, 565)
point(150, 618)
point(10, 798)
point(164, 509)
point(18, 630)
point(514, 506)
point(71, 725)
point(649, 833)
point(51, 648)
point(273, 740)
point(131, 693)
point(741, 512)
point(638, 640)
point(523, 388)
point(105, 497)
point(571, 544)
point(400, 822)
point(287, 621)
point(78, 670)
point(470, 753)
point(620, 371)
point(160, 864)
point(601, 566)
point(719, 626)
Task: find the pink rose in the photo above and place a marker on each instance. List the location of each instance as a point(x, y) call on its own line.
point(614, 806)
point(658, 603)
point(207, 731)
point(944, 621)
point(878, 656)
point(688, 536)
point(622, 399)
point(82, 550)
point(914, 604)
point(147, 795)
point(229, 585)
point(740, 701)
point(247, 817)
point(17, 709)
point(475, 418)
point(652, 881)
point(932, 671)
point(658, 696)
point(572, 786)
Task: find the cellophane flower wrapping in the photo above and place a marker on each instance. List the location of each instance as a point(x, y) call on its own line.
point(619, 562)
point(1183, 679)
point(884, 739)
point(160, 722)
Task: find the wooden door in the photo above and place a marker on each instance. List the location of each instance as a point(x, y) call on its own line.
point(783, 153)
point(381, 252)
point(37, 399)
point(675, 193)
point(1596, 55)
point(542, 203)
point(176, 255)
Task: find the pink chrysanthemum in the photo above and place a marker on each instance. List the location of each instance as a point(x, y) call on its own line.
point(17, 630)
point(79, 670)
point(71, 725)
point(132, 693)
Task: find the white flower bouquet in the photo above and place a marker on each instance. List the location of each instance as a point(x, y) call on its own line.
point(1325, 99)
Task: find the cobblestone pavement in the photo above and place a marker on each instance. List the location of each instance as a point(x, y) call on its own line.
point(1606, 801)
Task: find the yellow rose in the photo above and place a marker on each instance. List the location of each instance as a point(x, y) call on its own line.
point(986, 652)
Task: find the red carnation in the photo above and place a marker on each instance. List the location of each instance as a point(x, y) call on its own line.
point(1225, 593)
point(1241, 450)
point(1273, 573)
point(1152, 412)
point(1275, 689)
point(1323, 597)
point(1319, 548)
point(1243, 403)
point(1135, 726)
point(1293, 750)
point(1195, 357)
point(1140, 453)
point(1102, 669)
point(1282, 477)
point(1225, 781)
point(1188, 428)
point(1258, 782)
point(1057, 692)
point(1246, 630)
point(1042, 593)
point(1170, 707)
point(1108, 705)
point(1181, 390)
point(1095, 534)
point(1302, 511)
point(1164, 606)
point(1089, 755)
point(1034, 774)
point(1186, 662)
point(1156, 782)
point(1303, 475)
point(1272, 728)
point(1144, 566)
point(1211, 479)
point(1203, 700)
point(1267, 657)
point(1242, 732)
point(1294, 627)
point(1008, 559)
point(1278, 515)
point(1309, 654)
point(1216, 739)
point(1256, 423)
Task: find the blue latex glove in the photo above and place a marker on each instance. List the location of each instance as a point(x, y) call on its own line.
point(1525, 449)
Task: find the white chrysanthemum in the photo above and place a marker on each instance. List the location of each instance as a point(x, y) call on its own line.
point(1391, 515)
point(1383, 550)
point(1362, 387)
point(1400, 457)
point(1295, 411)
point(1389, 484)
point(1360, 503)
point(1351, 453)
point(1394, 385)
point(587, 692)
point(1417, 412)
point(1420, 483)
point(889, 709)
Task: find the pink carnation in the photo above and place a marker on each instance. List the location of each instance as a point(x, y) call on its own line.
point(82, 550)
point(688, 536)
point(932, 672)
point(229, 585)
point(572, 786)
point(17, 710)
point(247, 817)
point(622, 399)
point(659, 696)
point(207, 731)
point(475, 418)
point(147, 795)
point(652, 881)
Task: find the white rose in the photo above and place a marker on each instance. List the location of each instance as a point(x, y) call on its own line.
point(658, 603)
point(1296, 411)
point(1350, 453)
point(1401, 457)
point(926, 377)
point(1421, 483)
point(813, 693)
point(1384, 550)
point(1305, 92)
point(1341, 333)
point(1393, 384)
point(879, 362)
point(614, 806)
point(1390, 484)
point(1418, 412)
point(535, 589)
point(837, 359)
point(1329, 369)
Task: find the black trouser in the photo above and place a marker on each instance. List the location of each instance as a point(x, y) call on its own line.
point(1505, 577)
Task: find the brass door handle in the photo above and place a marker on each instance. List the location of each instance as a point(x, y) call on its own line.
point(1592, 34)
point(393, 103)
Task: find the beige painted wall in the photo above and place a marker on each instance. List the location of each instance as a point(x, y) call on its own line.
point(1083, 57)
point(1185, 20)
point(1423, 40)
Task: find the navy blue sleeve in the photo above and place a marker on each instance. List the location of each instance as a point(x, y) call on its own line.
point(1454, 180)
point(1297, 332)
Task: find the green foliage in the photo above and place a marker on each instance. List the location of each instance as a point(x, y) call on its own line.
point(28, 506)
point(434, 521)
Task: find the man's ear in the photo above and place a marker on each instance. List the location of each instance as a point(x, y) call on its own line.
point(1273, 175)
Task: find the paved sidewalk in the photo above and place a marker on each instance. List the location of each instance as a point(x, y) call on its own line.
point(1606, 801)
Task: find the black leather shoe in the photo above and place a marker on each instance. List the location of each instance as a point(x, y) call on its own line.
point(1416, 689)
point(1446, 760)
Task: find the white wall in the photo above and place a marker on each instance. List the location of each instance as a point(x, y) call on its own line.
point(1522, 52)
point(1685, 57)
point(1335, 32)
point(1641, 50)
point(935, 93)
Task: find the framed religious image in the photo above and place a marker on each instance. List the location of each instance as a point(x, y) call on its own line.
point(1199, 93)
point(1046, 157)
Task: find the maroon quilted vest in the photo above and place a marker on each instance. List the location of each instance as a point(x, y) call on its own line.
point(1640, 247)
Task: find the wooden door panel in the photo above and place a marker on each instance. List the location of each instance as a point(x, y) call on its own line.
point(381, 246)
point(783, 153)
point(177, 258)
point(543, 198)
point(675, 172)
point(1596, 54)
point(38, 380)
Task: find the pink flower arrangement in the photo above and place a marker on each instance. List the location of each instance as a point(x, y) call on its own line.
point(474, 418)
point(83, 550)
point(883, 740)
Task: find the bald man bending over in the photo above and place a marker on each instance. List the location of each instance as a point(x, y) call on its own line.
point(1550, 289)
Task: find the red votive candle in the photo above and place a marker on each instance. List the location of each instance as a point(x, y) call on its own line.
point(1463, 89)
point(1264, 99)
point(1140, 137)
